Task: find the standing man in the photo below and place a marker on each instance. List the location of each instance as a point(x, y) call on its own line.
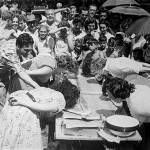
point(84, 13)
point(92, 10)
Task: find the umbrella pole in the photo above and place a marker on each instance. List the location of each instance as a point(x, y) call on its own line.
point(131, 49)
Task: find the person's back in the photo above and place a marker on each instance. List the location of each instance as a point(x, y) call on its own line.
point(139, 103)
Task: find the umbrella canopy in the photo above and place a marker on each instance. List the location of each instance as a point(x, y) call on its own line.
point(130, 10)
point(119, 2)
point(140, 27)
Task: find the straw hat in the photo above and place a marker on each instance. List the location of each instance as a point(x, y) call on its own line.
point(31, 17)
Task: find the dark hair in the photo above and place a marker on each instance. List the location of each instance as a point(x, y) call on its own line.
point(63, 24)
point(112, 42)
point(119, 88)
point(87, 41)
point(104, 22)
point(102, 39)
point(84, 8)
point(77, 20)
point(70, 91)
point(66, 63)
point(22, 18)
point(24, 40)
point(88, 21)
point(103, 10)
point(87, 38)
point(15, 16)
point(139, 54)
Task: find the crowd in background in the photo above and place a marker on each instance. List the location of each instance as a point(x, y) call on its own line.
point(33, 45)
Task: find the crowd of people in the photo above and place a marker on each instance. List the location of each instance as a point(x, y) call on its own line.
point(37, 55)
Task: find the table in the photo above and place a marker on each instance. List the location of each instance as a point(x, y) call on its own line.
point(90, 91)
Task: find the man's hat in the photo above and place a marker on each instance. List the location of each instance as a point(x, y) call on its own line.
point(31, 17)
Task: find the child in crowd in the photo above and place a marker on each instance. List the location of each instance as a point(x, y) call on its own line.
point(44, 43)
point(103, 42)
point(61, 34)
point(111, 50)
point(92, 54)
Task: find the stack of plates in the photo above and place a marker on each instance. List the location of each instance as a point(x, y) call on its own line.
point(122, 125)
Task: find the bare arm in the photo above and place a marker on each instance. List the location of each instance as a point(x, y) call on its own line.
point(39, 107)
point(146, 65)
point(10, 33)
point(54, 30)
point(52, 106)
point(24, 76)
point(59, 10)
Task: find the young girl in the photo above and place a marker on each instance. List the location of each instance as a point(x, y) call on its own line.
point(61, 34)
point(44, 43)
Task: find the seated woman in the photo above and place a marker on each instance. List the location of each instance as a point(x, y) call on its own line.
point(20, 127)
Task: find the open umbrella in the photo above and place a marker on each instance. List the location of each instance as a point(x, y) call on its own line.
point(119, 2)
point(140, 27)
point(130, 10)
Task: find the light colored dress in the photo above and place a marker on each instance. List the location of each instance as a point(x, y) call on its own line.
point(20, 127)
point(44, 46)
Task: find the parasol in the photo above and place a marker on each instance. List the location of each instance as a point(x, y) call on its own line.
point(109, 3)
point(130, 10)
point(140, 27)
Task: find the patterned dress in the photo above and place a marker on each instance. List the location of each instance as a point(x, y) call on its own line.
point(19, 126)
